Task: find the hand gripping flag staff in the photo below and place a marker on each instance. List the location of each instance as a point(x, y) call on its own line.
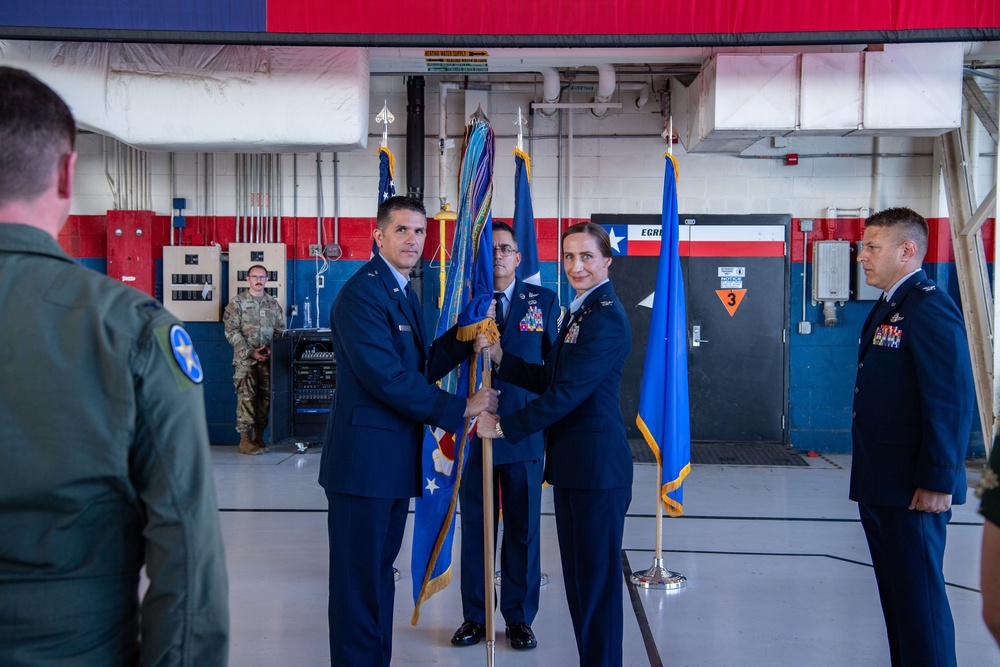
point(467, 300)
point(524, 216)
point(664, 418)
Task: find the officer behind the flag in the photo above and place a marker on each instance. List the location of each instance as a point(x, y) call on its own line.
point(588, 459)
point(370, 466)
point(530, 316)
point(105, 466)
point(913, 408)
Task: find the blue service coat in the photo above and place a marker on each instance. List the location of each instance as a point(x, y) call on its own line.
point(578, 397)
point(385, 392)
point(914, 398)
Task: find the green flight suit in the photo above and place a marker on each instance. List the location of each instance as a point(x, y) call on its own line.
point(104, 467)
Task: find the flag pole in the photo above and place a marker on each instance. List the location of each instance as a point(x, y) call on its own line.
point(489, 547)
point(658, 577)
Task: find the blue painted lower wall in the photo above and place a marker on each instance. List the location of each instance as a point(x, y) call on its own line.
point(822, 364)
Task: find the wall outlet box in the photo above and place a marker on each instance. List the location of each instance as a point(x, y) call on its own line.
point(315, 250)
point(320, 281)
point(293, 311)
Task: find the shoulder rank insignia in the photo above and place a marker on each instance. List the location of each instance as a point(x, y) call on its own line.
point(184, 354)
point(929, 288)
point(896, 317)
point(606, 303)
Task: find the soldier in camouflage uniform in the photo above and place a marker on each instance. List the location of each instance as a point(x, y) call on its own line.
point(251, 320)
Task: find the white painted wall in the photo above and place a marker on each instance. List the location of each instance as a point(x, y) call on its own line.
point(611, 173)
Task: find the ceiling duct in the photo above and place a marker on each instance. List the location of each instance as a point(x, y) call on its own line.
point(738, 99)
point(208, 98)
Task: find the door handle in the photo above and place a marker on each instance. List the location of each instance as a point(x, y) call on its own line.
point(696, 339)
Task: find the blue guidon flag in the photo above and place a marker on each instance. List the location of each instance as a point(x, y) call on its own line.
point(184, 354)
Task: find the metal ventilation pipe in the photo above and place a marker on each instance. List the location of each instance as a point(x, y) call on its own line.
point(605, 88)
point(550, 88)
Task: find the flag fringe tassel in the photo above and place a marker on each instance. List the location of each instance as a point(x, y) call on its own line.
point(672, 507)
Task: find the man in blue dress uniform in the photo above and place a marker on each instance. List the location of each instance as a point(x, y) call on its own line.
point(528, 317)
point(370, 466)
point(913, 407)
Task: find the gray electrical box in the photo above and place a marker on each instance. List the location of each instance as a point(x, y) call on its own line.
point(831, 271)
point(192, 282)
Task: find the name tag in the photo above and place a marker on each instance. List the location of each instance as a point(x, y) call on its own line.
point(405, 327)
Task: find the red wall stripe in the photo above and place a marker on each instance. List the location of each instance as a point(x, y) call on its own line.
point(86, 236)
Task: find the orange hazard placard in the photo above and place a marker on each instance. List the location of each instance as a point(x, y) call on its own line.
point(731, 298)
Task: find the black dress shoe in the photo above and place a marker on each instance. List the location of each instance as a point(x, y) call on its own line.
point(521, 636)
point(470, 634)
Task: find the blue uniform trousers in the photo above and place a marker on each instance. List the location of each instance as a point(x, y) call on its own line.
point(361, 572)
point(907, 549)
point(590, 524)
point(519, 484)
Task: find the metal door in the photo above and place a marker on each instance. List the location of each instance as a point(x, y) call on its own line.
point(736, 283)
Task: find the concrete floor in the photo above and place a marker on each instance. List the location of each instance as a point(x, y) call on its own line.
point(776, 561)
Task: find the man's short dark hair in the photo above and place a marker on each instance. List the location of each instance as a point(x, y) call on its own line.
point(905, 223)
point(36, 131)
point(397, 203)
point(258, 266)
point(501, 226)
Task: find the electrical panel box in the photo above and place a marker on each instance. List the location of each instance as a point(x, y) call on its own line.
point(269, 255)
point(192, 282)
point(130, 249)
point(862, 290)
point(303, 380)
point(831, 262)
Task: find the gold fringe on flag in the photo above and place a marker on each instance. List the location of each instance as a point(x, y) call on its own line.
point(392, 160)
point(487, 326)
point(527, 162)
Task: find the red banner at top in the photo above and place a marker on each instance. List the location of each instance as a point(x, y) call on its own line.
point(493, 20)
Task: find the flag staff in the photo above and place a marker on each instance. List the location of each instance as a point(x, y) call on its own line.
point(657, 576)
point(489, 546)
point(521, 120)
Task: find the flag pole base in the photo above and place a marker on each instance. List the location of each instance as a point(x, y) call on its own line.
point(496, 578)
point(658, 578)
point(491, 648)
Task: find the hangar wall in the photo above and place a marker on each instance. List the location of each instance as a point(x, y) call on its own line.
point(581, 165)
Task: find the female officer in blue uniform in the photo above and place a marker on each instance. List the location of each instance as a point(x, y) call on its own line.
point(588, 460)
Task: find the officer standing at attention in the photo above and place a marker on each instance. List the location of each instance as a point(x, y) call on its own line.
point(528, 319)
point(370, 467)
point(913, 407)
point(104, 457)
point(251, 319)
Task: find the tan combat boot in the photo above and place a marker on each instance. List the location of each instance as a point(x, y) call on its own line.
point(247, 446)
point(258, 439)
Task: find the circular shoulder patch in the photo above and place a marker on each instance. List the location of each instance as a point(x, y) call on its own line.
point(184, 354)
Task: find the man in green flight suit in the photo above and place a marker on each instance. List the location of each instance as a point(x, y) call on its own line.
point(104, 457)
point(251, 319)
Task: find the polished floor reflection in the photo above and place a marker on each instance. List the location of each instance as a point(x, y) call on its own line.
point(777, 567)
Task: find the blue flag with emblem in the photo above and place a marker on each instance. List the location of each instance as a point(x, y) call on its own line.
point(386, 186)
point(664, 418)
point(524, 221)
point(467, 299)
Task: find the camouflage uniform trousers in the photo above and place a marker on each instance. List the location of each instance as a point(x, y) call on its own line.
point(253, 397)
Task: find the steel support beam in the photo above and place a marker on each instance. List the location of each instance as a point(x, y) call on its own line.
point(973, 280)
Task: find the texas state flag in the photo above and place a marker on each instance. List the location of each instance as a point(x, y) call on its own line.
point(635, 240)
